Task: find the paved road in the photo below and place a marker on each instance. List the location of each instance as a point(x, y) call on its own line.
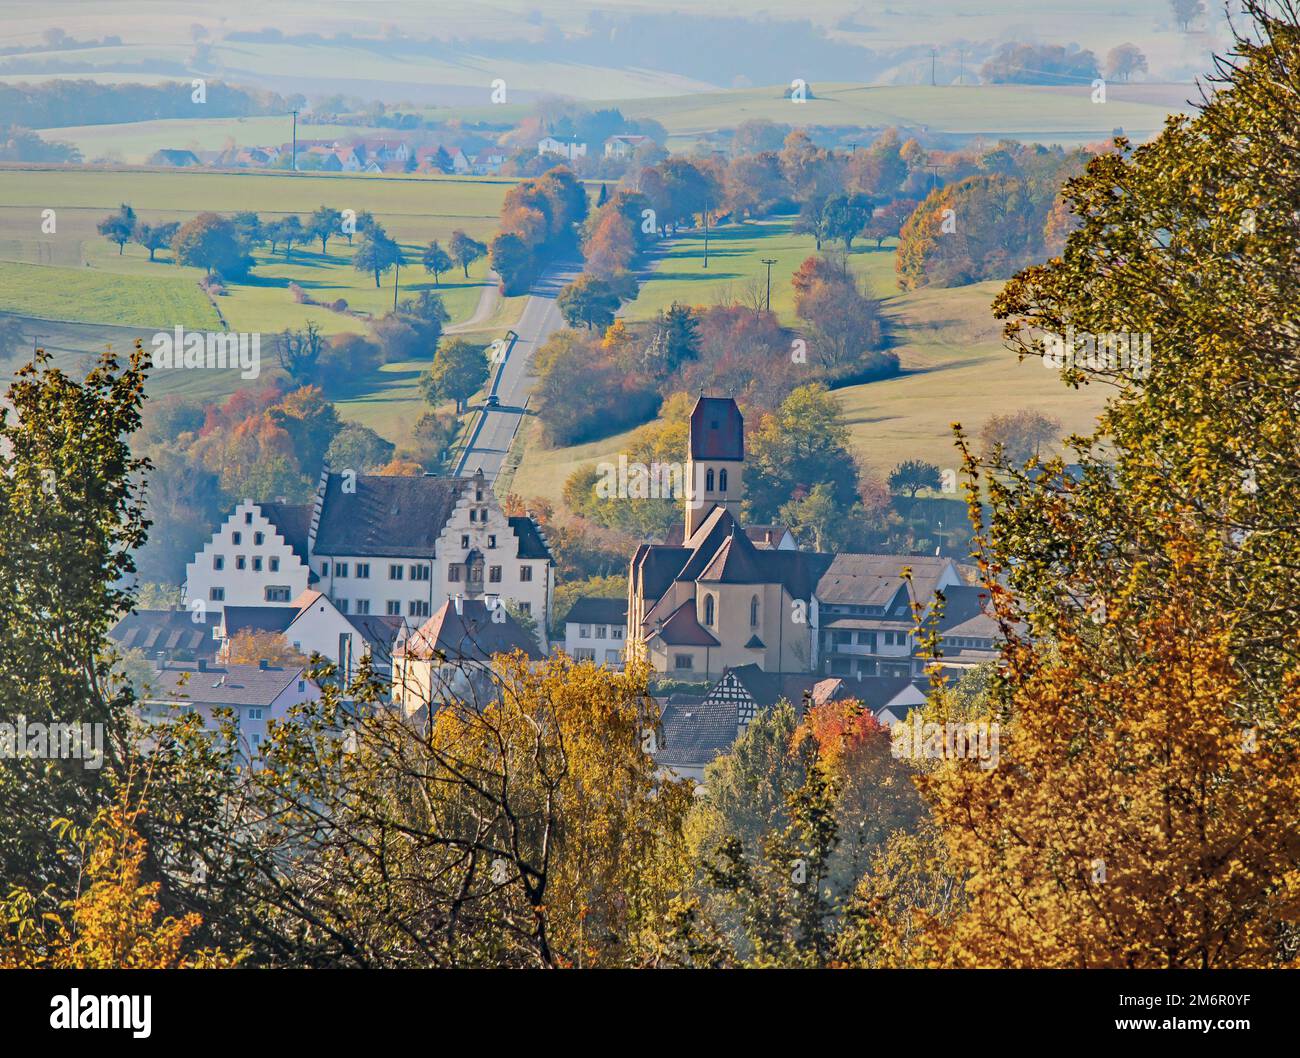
point(487, 302)
point(495, 427)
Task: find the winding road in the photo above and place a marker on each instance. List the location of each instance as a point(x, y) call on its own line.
point(495, 427)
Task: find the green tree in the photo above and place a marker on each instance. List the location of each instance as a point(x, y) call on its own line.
point(436, 260)
point(589, 301)
point(376, 253)
point(913, 475)
point(118, 227)
point(464, 250)
point(155, 237)
point(324, 224)
point(513, 261)
point(459, 371)
point(844, 216)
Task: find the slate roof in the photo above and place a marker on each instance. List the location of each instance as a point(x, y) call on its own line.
point(717, 429)
point(590, 610)
point(968, 612)
point(692, 733)
point(398, 517)
point(379, 630)
point(222, 684)
point(531, 542)
point(470, 635)
point(736, 562)
point(293, 522)
point(170, 631)
point(874, 580)
point(258, 618)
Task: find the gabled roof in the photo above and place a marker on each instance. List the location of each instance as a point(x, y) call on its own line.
point(683, 630)
point(222, 684)
point(167, 631)
point(874, 580)
point(468, 635)
point(768, 688)
point(293, 522)
point(590, 610)
point(717, 429)
point(692, 733)
point(380, 631)
point(736, 562)
point(531, 542)
point(399, 517)
point(968, 612)
point(238, 619)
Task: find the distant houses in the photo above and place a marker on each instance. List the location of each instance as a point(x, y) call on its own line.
point(570, 150)
point(624, 146)
point(174, 157)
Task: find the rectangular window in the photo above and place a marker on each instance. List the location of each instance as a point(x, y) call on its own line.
point(342, 604)
point(525, 607)
point(240, 562)
point(473, 514)
point(394, 608)
point(217, 594)
point(613, 657)
point(464, 542)
point(584, 654)
point(236, 538)
point(419, 608)
point(419, 572)
point(525, 574)
point(248, 517)
point(276, 593)
point(340, 569)
point(453, 573)
point(683, 662)
point(218, 562)
point(324, 569)
point(363, 606)
point(255, 714)
point(584, 631)
point(396, 571)
point(492, 540)
point(275, 565)
point(363, 571)
point(259, 539)
point(494, 574)
point(600, 632)
point(257, 563)
point(615, 632)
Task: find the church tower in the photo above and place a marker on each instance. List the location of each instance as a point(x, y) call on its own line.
point(715, 460)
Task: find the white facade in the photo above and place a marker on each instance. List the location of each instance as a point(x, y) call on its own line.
point(601, 643)
point(320, 628)
point(246, 563)
point(550, 145)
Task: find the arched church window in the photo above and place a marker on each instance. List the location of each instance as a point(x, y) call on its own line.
point(708, 481)
point(722, 481)
point(753, 612)
point(708, 610)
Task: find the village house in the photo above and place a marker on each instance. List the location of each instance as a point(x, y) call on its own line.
point(255, 694)
point(550, 145)
point(596, 630)
point(174, 157)
point(450, 655)
point(624, 145)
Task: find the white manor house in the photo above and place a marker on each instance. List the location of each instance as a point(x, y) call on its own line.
point(378, 545)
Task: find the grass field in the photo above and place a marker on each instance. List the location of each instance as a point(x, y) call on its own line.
point(955, 368)
point(414, 210)
point(1028, 112)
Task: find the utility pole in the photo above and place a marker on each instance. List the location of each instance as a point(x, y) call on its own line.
point(961, 76)
point(706, 233)
point(295, 142)
point(397, 274)
point(767, 304)
point(934, 54)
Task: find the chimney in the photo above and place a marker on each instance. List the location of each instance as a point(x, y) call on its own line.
point(203, 664)
point(263, 664)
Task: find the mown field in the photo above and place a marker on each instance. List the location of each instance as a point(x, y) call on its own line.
point(93, 283)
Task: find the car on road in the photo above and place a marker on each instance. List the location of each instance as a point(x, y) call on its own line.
point(493, 401)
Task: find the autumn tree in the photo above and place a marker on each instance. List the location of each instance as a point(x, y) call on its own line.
point(248, 646)
point(211, 242)
point(913, 475)
point(155, 237)
point(1020, 434)
point(436, 260)
point(459, 370)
